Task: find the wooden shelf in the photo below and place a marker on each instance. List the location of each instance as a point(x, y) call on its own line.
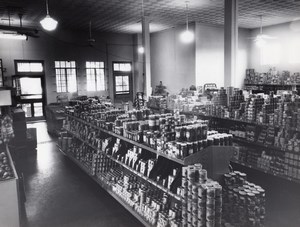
point(127, 167)
point(266, 172)
point(106, 187)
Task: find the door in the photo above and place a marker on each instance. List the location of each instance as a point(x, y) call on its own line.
point(30, 85)
point(122, 74)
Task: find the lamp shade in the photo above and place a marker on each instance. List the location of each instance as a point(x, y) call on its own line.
point(260, 41)
point(187, 36)
point(48, 23)
point(141, 50)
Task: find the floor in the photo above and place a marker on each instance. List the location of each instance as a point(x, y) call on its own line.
point(59, 194)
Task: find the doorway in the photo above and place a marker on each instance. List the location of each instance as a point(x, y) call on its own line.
point(122, 78)
point(29, 82)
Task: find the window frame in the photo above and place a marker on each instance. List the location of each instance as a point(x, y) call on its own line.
point(29, 61)
point(95, 82)
point(117, 73)
point(66, 75)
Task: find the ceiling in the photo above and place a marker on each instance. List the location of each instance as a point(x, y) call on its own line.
point(125, 15)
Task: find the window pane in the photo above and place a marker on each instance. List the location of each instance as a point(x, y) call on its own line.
point(119, 80)
point(62, 64)
point(68, 64)
point(36, 67)
point(30, 86)
point(38, 109)
point(27, 110)
point(87, 64)
point(56, 64)
point(125, 80)
point(119, 88)
point(73, 64)
point(101, 64)
point(116, 67)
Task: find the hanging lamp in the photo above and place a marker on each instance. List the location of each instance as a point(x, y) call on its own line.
point(141, 49)
point(48, 23)
point(187, 36)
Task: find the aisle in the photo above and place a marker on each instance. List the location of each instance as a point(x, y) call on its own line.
point(59, 194)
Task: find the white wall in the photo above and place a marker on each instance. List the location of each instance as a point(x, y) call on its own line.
point(210, 55)
point(172, 61)
point(284, 51)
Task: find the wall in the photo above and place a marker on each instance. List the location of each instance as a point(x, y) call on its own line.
point(67, 45)
point(283, 52)
point(210, 55)
point(172, 61)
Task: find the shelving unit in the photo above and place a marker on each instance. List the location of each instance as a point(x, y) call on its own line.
point(9, 198)
point(215, 159)
point(192, 159)
point(265, 171)
point(127, 167)
point(238, 121)
point(107, 188)
point(254, 144)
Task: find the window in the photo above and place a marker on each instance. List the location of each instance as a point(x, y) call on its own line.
point(29, 67)
point(95, 76)
point(122, 76)
point(65, 72)
point(122, 84)
point(122, 67)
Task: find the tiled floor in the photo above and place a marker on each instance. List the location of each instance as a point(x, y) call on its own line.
point(59, 194)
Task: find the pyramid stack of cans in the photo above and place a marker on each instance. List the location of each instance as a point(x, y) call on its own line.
point(201, 198)
point(244, 202)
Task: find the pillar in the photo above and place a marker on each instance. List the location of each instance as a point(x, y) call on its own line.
point(230, 41)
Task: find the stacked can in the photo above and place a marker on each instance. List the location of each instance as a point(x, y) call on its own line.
point(201, 198)
point(244, 202)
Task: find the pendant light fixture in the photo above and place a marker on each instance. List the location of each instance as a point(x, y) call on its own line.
point(48, 23)
point(141, 49)
point(187, 36)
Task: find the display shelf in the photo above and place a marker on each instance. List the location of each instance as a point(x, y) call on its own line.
point(192, 159)
point(256, 144)
point(127, 167)
point(9, 195)
point(265, 171)
point(107, 188)
point(241, 121)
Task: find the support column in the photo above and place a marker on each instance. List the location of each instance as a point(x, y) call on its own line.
point(230, 41)
point(146, 58)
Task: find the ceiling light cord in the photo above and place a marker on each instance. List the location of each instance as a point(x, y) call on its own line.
point(187, 15)
point(143, 11)
point(261, 29)
point(47, 8)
